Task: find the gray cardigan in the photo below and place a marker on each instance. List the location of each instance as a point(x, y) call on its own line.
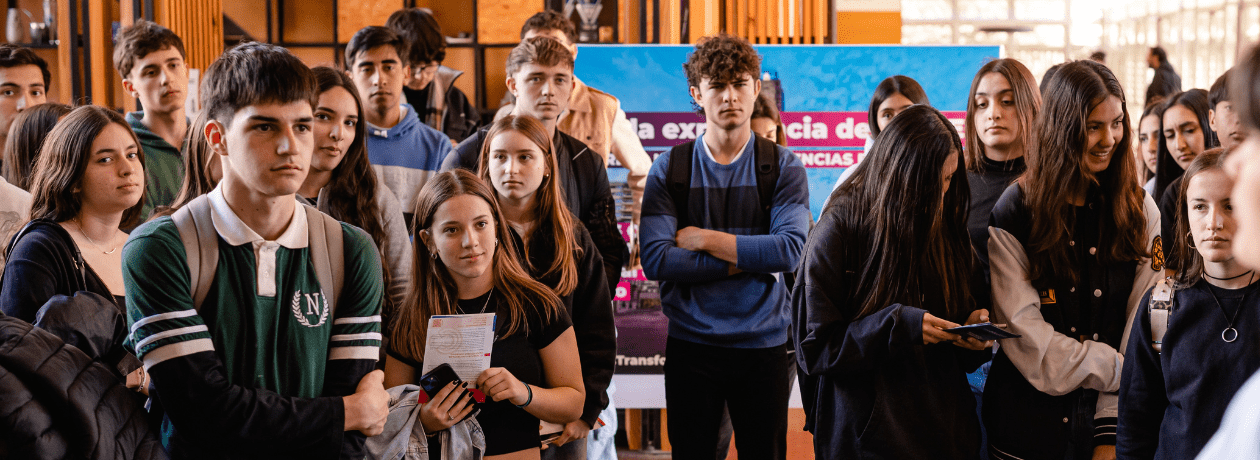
point(396, 249)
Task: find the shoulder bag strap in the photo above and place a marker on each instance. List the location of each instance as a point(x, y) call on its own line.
point(327, 253)
point(201, 246)
point(678, 176)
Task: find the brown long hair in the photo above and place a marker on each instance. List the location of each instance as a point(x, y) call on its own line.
point(352, 188)
point(26, 138)
point(433, 291)
point(1056, 173)
point(197, 156)
point(63, 161)
point(1188, 259)
point(1027, 103)
point(914, 237)
point(550, 209)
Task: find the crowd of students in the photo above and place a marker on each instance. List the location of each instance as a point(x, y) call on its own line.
point(261, 285)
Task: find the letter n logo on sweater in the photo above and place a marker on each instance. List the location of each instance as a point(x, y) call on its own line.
point(310, 310)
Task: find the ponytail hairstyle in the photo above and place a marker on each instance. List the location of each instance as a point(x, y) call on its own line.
point(1166, 168)
point(432, 290)
point(1189, 259)
point(917, 239)
point(896, 84)
point(1027, 103)
point(1057, 171)
point(555, 220)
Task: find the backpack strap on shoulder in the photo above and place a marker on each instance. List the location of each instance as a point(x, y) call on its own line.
point(767, 154)
point(679, 177)
point(201, 246)
point(1160, 309)
point(327, 245)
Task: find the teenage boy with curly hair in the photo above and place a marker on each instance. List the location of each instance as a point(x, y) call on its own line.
point(720, 263)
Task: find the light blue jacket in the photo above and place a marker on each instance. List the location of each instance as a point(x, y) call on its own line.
point(404, 436)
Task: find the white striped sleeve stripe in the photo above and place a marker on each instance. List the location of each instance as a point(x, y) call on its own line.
point(358, 320)
point(176, 350)
point(372, 353)
point(363, 336)
point(161, 317)
point(171, 333)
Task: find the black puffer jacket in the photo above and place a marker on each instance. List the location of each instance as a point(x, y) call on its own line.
point(59, 401)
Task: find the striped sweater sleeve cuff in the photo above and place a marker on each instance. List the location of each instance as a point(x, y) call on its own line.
point(356, 338)
point(1105, 431)
point(168, 335)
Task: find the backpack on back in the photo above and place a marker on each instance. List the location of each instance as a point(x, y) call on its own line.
point(678, 177)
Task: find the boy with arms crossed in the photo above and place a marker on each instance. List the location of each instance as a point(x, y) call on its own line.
point(719, 254)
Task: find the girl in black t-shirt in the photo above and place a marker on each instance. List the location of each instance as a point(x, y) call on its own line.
point(464, 264)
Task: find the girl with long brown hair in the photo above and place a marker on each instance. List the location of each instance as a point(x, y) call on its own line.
point(464, 263)
point(1070, 255)
point(1000, 112)
point(555, 248)
point(88, 183)
point(885, 272)
point(341, 182)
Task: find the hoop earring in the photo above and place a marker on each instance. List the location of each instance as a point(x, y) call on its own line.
point(1190, 240)
point(434, 255)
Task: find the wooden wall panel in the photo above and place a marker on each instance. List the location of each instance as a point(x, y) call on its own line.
point(868, 27)
point(496, 76)
point(104, 77)
point(316, 56)
point(462, 59)
point(454, 16)
point(64, 79)
point(353, 15)
point(499, 21)
point(198, 22)
point(311, 22)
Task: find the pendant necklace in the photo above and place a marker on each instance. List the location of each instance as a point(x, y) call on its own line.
point(488, 297)
point(1229, 335)
point(85, 235)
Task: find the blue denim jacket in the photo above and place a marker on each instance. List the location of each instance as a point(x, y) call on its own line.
point(404, 436)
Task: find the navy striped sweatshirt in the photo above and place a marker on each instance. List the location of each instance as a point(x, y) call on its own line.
point(703, 303)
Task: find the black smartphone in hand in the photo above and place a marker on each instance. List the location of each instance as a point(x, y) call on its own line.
point(436, 379)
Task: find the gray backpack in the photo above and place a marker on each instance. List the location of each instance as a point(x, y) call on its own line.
point(201, 244)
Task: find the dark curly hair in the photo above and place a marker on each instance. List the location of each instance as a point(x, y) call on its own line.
point(721, 57)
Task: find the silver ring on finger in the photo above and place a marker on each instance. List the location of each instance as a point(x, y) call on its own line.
point(449, 416)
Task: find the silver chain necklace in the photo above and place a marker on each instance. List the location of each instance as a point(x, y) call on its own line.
point(85, 235)
point(1229, 335)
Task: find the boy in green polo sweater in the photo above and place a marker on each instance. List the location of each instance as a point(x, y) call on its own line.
point(264, 367)
point(150, 59)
